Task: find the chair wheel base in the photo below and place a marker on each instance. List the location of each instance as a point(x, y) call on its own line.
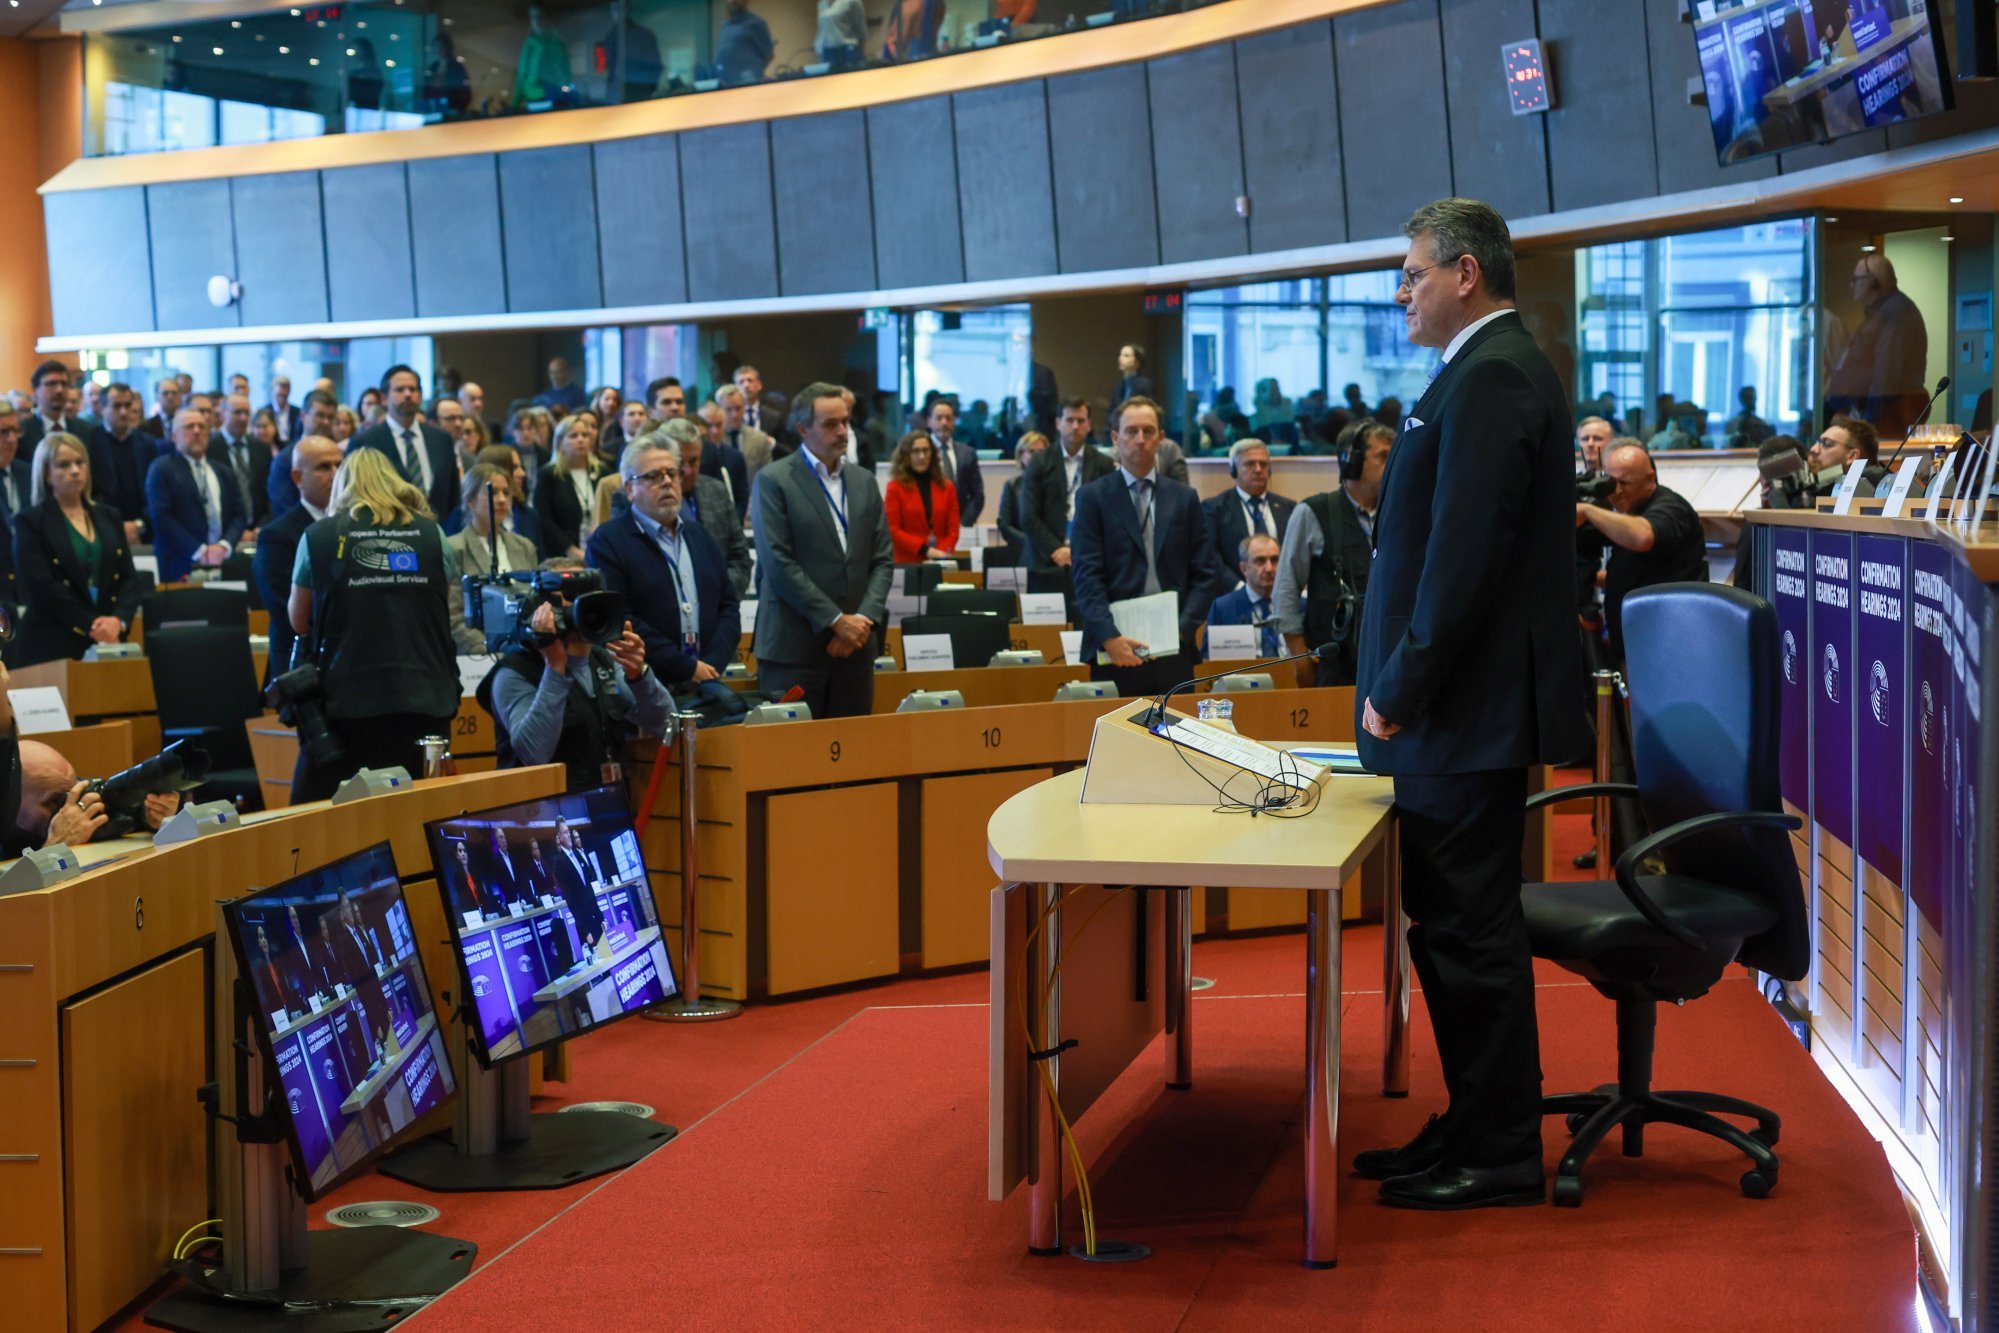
point(1758, 1182)
point(1568, 1192)
point(1591, 1116)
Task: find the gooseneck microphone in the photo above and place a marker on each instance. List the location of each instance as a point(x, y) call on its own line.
point(1923, 416)
point(1157, 714)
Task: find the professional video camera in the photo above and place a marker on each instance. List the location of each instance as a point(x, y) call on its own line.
point(1792, 483)
point(502, 607)
point(300, 698)
point(180, 767)
point(1594, 488)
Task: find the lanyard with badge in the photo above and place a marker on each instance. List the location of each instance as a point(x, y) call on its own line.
point(690, 633)
point(838, 506)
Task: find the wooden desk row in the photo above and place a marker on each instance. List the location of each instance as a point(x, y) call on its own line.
point(104, 1155)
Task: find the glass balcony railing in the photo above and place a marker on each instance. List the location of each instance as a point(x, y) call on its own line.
point(396, 64)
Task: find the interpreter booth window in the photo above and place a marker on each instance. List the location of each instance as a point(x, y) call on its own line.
point(980, 357)
point(1367, 342)
point(1251, 349)
point(1705, 339)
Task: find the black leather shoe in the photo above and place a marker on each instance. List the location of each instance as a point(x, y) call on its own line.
point(1419, 1154)
point(1584, 860)
point(1445, 1187)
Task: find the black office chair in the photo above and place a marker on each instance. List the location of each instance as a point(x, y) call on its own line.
point(205, 684)
point(974, 602)
point(1702, 664)
point(974, 639)
point(918, 580)
point(181, 608)
point(1055, 580)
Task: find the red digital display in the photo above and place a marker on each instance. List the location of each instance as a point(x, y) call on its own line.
point(1526, 77)
point(1165, 303)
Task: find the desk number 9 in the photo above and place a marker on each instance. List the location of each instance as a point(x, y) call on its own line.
point(833, 751)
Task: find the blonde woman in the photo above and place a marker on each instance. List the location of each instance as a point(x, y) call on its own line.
point(345, 425)
point(77, 583)
point(565, 495)
point(371, 605)
point(488, 500)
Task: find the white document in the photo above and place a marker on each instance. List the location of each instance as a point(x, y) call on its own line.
point(1154, 621)
point(1232, 643)
point(747, 611)
point(927, 652)
point(228, 585)
point(1898, 493)
point(1940, 487)
point(977, 554)
point(1248, 755)
point(1842, 500)
point(1006, 578)
point(471, 670)
point(1043, 608)
point(147, 564)
point(39, 709)
point(1072, 647)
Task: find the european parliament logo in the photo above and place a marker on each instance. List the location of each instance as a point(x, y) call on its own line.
point(1790, 659)
point(1832, 673)
point(1877, 691)
point(402, 562)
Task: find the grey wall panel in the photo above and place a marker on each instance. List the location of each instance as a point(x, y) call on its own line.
point(548, 212)
point(917, 239)
point(368, 268)
point(1106, 213)
point(641, 242)
point(1004, 196)
point(1495, 155)
point(1681, 132)
point(455, 232)
point(1839, 150)
point(1599, 141)
point(194, 239)
point(731, 231)
point(280, 248)
point(100, 261)
point(1197, 155)
point(1292, 161)
point(825, 219)
point(1393, 133)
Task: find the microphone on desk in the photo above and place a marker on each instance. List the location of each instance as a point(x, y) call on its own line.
point(1157, 714)
point(1921, 417)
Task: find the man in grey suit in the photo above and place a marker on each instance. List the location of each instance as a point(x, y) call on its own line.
point(706, 500)
point(823, 565)
point(755, 444)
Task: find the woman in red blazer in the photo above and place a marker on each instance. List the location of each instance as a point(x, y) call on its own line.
point(922, 506)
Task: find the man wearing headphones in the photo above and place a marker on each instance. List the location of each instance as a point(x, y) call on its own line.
point(1249, 508)
point(1655, 536)
point(1328, 550)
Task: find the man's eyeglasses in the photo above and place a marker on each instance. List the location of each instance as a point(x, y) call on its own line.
point(1412, 276)
point(656, 478)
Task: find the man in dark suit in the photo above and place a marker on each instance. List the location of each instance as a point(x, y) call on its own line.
point(281, 494)
point(1055, 479)
point(572, 881)
point(959, 463)
point(722, 460)
point(1137, 533)
point(196, 510)
point(234, 446)
point(706, 501)
point(1249, 602)
point(1249, 508)
point(763, 409)
point(291, 421)
point(171, 397)
point(16, 482)
point(421, 452)
point(51, 383)
point(1470, 670)
point(824, 561)
point(120, 454)
point(671, 573)
point(314, 462)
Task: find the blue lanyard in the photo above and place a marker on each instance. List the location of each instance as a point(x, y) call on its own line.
point(838, 507)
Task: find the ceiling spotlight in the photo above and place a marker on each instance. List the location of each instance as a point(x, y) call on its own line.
point(362, 24)
point(234, 23)
point(1948, 239)
point(350, 53)
point(1957, 199)
point(294, 13)
point(390, 63)
point(1866, 249)
point(176, 39)
point(312, 60)
point(216, 49)
point(284, 50)
point(1832, 219)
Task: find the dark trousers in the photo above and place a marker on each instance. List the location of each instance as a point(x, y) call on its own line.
point(1461, 845)
point(833, 686)
point(388, 741)
point(1155, 676)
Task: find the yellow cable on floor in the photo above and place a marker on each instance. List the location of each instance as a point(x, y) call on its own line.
point(181, 1246)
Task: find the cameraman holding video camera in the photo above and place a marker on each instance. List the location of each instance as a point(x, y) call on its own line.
point(581, 691)
point(50, 803)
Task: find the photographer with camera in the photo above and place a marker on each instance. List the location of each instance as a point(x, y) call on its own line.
point(57, 806)
point(370, 604)
point(1654, 535)
point(579, 688)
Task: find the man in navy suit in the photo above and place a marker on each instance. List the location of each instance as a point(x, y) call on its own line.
point(280, 490)
point(197, 512)
point(958, 462)
point(120, 455)
point(673, 575)
point(423, 453)
point(15, 482)
point(291, 421)
point(1469, 671)
point(1250, 604)
point(1250, 507)
point(1137, 533)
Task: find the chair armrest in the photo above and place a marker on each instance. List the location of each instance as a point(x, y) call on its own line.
point(1638, 852)
point(1628, 790)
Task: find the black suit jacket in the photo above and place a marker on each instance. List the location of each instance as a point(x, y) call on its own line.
point(23, 474)
point(1109, 561)
point(1468, 636)
point(726, 460)
point(277, 547)
point(1010, 526)
point(32, 431)
point(576, 894)
point(1046, 501)
point(180, 523)
point(118, 473)
point(1228, 525)
point(250, 464)
point(633, 564)
point(558, 513)
point(56, 588)
point(443, 493)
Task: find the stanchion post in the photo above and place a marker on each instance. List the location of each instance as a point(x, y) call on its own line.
point(1606, 696)
point(690, 1006)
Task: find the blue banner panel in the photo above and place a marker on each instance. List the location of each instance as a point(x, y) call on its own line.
point(1790, 591)
point(1833, 683)
point(1930, 686)
point(1881, 578)
point(1968, 620)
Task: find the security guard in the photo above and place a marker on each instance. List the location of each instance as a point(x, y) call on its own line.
point(1328, 550)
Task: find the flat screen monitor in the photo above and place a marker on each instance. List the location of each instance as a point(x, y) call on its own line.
point(1787, 73)
point(343, 1011)
point(552, 918)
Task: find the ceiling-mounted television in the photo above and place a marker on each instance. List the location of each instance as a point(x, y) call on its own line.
point(1788, 73)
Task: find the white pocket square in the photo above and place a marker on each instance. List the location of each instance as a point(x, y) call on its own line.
point(1411, 423)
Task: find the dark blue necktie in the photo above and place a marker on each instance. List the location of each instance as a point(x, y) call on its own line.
point(1256, 516)
point(1267, 636)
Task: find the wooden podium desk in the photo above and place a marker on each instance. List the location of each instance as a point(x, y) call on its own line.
point(1079, 956)
point(104, 1034)
point(100, 691)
